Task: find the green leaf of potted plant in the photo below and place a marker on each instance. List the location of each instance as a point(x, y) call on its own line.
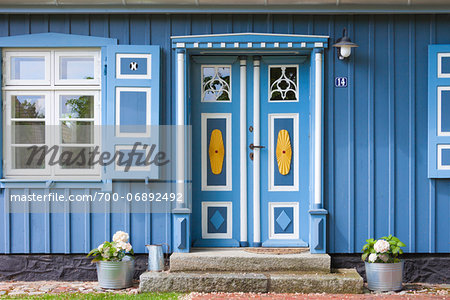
point(384, 270)
point(115, 262)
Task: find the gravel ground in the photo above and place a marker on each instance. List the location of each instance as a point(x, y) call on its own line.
point(410, 291)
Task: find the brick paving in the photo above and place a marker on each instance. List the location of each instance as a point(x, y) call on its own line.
point(14, 288)
point(35, 288)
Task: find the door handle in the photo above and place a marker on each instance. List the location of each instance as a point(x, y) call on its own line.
point(257, 147)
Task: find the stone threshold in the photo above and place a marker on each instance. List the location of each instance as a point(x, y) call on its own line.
point(342, 281)
point(241, 261)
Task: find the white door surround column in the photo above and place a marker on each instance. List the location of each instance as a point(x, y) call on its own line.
point(256, 154)
point(243, 150)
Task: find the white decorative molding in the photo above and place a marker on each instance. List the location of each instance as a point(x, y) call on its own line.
point(439, 111)
point(256, 154)
point(204, 152)
point(148, 101)
point(119, 74)
point(181, 45)
point(250, 34)
point(318, 129)
point(226, 235)
point(271, 163)
point(120, 148)
point(180, 121)
point(439, 65)
point(440, 166)
point(296, 224)
point(236, 45)
point(318, 45)
point(243, 150)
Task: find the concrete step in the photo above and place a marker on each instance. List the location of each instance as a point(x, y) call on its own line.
point(340, 282)
point(241, 261)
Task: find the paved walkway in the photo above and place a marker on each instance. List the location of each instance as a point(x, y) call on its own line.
point(411, 291)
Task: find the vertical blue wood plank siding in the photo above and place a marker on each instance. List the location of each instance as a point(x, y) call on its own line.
point(375, 172)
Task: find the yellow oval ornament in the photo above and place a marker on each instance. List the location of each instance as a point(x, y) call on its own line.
point(284, 152)
point(216, 151)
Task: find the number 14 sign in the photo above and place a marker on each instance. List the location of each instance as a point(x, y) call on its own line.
point(340, 82)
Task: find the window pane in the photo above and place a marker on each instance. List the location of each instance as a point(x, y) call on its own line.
point(32, 107)
point(28, 132)
point(216, 83)
point(77, 106)
point(24, 158)
point(76, 132)
point(28, 68)
point(283, 83)
point(76, 68)
point(75, 157)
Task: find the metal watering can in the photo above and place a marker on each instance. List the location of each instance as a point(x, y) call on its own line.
point(156, 257)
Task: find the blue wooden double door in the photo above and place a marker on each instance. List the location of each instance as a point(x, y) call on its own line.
point(250, 119)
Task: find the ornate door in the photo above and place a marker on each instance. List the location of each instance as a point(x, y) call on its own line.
point(215, 123)
point(276, 151)
point(284, 162)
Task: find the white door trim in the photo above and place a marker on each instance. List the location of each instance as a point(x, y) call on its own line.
point(256, 155)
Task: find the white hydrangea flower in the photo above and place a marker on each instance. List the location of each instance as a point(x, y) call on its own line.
point(121, 236)
point(373, 257)
point(100, 247)
point(382, 246)
point(121, 246)
point(128, 247)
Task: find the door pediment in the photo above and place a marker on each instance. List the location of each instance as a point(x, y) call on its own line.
point(250, 41)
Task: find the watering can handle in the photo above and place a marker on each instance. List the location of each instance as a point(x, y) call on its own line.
point(168, 247)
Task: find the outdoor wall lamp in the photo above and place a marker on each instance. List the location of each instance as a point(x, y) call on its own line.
point(344, 45)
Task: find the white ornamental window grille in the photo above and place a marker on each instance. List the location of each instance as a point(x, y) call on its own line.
point(216, 83)
point(283, 83)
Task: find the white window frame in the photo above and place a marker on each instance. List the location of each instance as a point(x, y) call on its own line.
point(8, 54)
point(96, 131)
point(52, 117)
point(148, 114)
point(76, 54)
point(8, 145)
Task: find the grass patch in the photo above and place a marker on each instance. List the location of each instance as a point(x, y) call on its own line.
point(70, 296)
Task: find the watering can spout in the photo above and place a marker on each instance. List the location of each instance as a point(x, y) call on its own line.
point(156, 257)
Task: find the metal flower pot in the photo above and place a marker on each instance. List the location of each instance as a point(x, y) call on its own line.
point(115, 274)
point(383, 277)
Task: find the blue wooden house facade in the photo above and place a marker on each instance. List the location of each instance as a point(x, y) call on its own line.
point(350, 149)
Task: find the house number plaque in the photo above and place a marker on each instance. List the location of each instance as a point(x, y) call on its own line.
point(340, 82)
